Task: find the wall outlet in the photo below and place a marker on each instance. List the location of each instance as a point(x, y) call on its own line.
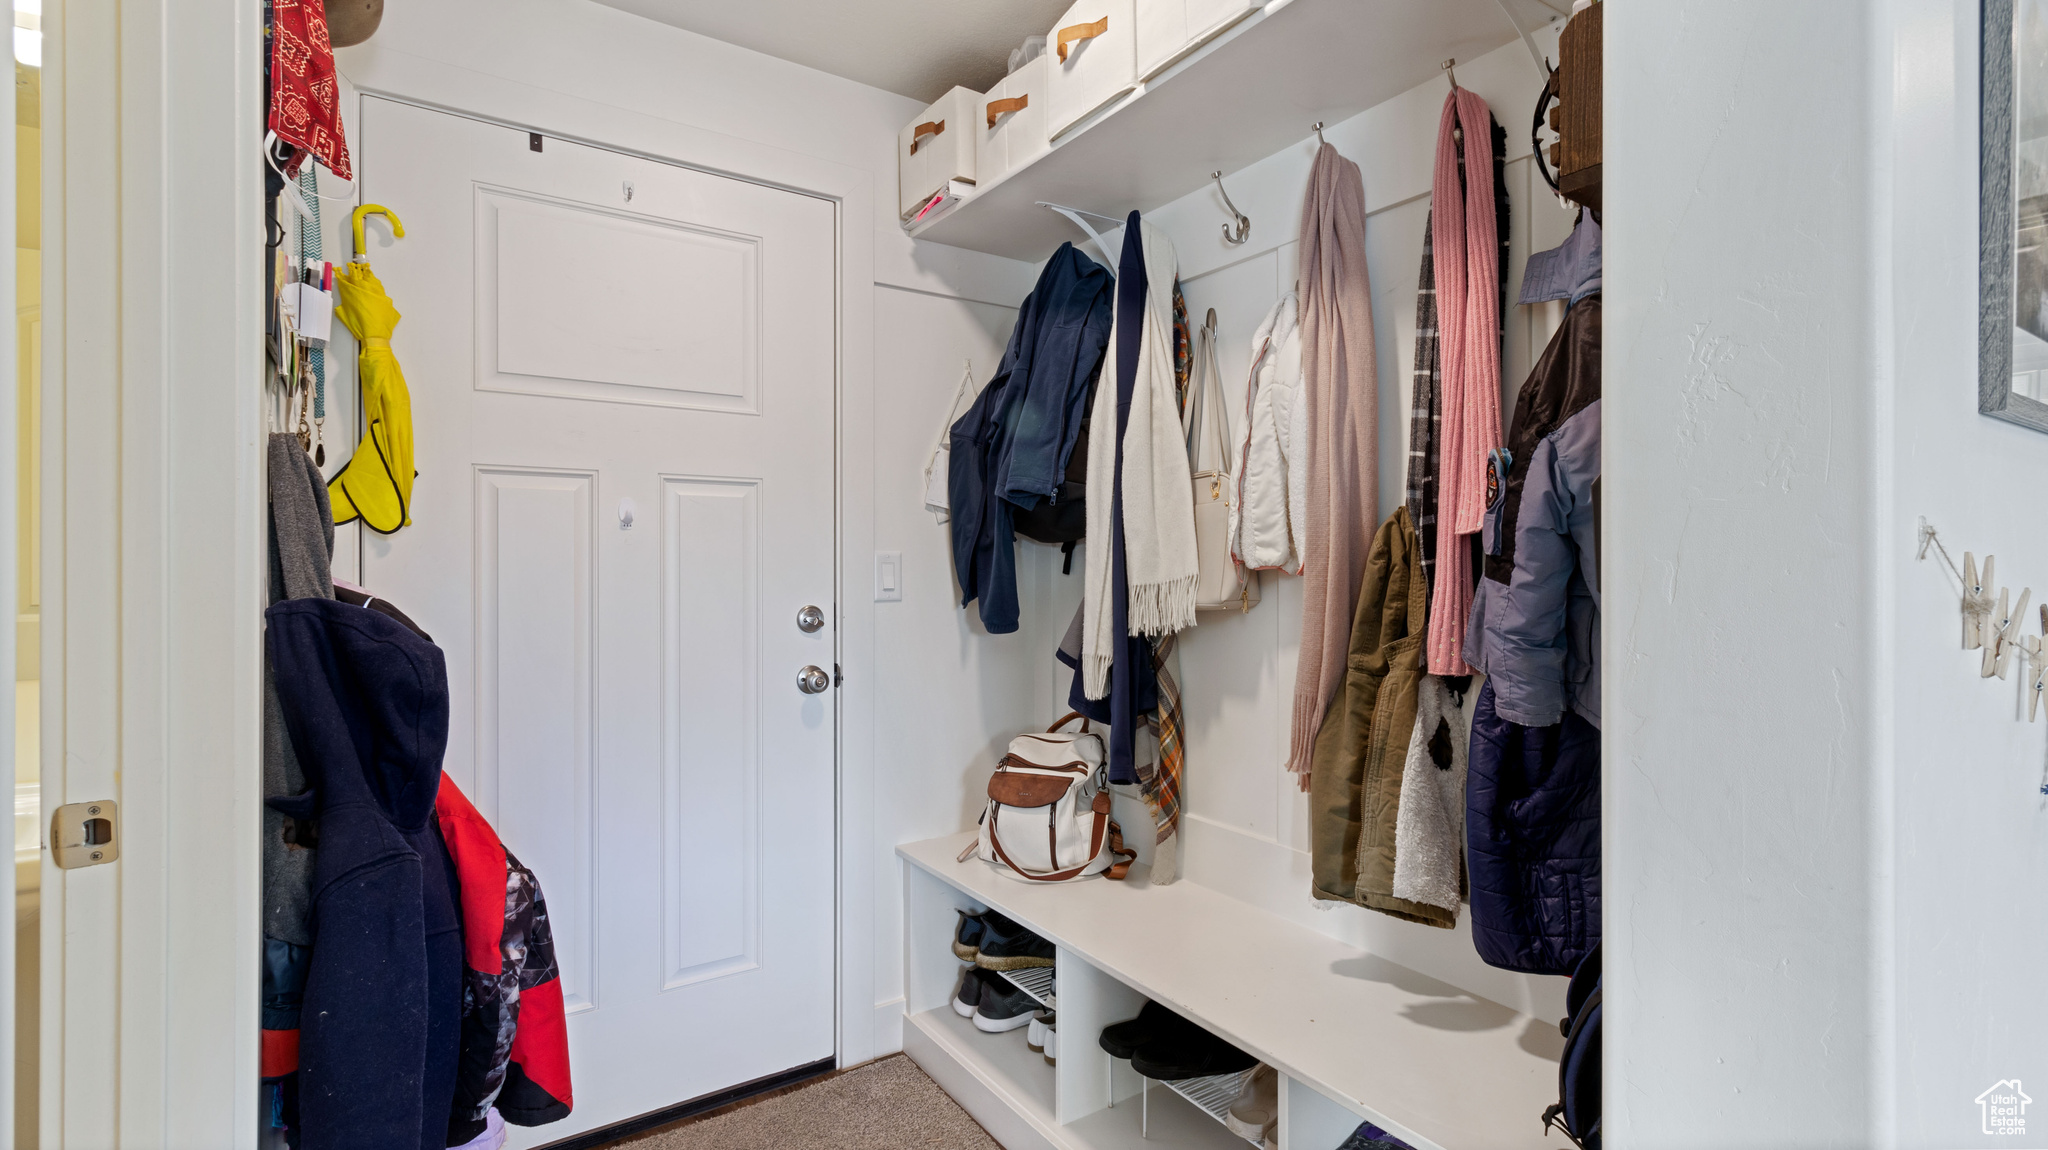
point(888, 576)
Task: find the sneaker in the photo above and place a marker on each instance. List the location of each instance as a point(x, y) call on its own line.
point(1052, 1038)
point(1196, 1054)
point(968, 996)
point(967, 936)
point(1039, 1036)
point(1256, 1113)
point(1003, 1006)
point(1007, 946)
point(1123, 1039)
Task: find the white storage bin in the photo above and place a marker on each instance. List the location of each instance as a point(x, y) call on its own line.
point(1011, 130)
point(1170, 29)
point(935, 148)
point(1094, 61)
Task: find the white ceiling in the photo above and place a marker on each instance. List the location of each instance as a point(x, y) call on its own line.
point(918, 48)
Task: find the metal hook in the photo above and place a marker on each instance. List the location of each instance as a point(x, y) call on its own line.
point(1244, 223)
point(1450, 68)
point(1318, 126)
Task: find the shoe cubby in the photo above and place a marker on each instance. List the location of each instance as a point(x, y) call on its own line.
point(1354, 1038)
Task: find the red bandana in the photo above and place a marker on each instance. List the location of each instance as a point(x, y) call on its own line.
point(305, 109)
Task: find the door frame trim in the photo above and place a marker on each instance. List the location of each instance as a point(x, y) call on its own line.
point(412, 80)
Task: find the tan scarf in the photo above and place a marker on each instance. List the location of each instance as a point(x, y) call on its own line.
point(1340, 388)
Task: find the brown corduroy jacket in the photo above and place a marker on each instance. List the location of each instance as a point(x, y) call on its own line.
point(1355, 791)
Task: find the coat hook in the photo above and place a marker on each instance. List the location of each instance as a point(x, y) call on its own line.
point(1318, 126)
point(1450, 68)
point(1244, 224)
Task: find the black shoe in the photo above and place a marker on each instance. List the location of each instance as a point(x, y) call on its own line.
point(1003, 1006)
point(1007, 946)
point(967, 937)
point(1123, 1039)
point(968, 996)
point(1198, 1055)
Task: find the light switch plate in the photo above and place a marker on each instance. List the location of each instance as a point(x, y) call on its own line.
point(888, 576)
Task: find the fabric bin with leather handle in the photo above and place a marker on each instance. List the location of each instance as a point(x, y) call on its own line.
point(1094, 61)
point(1170, 29)
point(1011, 131)
point(1221, 582)
point(1047, 818)
point(936, 148)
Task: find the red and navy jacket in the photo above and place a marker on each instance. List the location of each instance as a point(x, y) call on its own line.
point(515, 1038)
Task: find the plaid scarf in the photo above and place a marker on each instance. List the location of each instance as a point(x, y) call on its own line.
point(1163, 781)
point(1425, 420)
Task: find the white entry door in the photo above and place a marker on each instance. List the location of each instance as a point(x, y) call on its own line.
point(622, 392)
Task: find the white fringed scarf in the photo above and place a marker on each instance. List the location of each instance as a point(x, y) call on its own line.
point(1160, 558)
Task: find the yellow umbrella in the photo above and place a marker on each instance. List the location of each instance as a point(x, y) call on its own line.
point(376, 486)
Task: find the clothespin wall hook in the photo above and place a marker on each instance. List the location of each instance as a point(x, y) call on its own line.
point(2035, 674)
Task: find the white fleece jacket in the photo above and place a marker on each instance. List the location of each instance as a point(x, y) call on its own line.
point(1429, 828)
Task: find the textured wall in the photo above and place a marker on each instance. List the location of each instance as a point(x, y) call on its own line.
point(1744, 588)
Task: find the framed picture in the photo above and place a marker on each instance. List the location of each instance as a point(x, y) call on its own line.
point(2012, 302)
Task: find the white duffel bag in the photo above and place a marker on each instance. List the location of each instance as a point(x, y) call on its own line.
point(1047, 818)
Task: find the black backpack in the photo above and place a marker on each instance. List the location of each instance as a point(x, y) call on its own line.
point(1577, 1112)
point(1063, 519)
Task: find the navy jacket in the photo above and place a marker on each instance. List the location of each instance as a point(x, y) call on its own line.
point(1012, 446)
point(366, 703)
point(1532, 834)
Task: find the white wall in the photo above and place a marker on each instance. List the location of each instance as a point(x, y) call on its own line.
point(1963, 828)
point(1773, 653)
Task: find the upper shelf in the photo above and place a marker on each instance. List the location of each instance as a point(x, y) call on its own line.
point(1440, 1068)
point(1242, 97)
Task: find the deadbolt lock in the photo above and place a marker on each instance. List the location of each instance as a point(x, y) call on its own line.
point(85, 834)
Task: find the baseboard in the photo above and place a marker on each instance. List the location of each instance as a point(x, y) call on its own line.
point(889, 1027)
point(606, 1135)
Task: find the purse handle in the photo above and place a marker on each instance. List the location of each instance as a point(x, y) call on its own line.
point(1069, 717)
point(1206, 409)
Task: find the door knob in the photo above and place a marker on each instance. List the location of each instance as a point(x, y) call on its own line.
point(810, 620)
point(812, 680)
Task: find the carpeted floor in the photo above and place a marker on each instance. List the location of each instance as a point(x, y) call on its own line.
point(885, 1105)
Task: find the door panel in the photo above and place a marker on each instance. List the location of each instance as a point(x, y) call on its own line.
point(622, 382)
point(536, 753)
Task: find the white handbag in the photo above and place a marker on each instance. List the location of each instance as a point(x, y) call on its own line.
point(940, 465)
point(1047, 817)
point(1221, 582)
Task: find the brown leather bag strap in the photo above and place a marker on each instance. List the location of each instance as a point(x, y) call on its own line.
point(1074, 33)
point(1077, 767)
point(1094, 845)
point(1121, 868)
point(928, 128)
point(1069, 717)
point(1005, 107)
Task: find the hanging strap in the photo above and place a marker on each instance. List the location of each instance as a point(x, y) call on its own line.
point(952, 414)
point(1108, 256)
point(1206, 419)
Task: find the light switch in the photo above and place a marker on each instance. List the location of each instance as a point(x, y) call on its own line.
point(888, 576)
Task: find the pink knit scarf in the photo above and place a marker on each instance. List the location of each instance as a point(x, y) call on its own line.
point(1340, 386)
point(1467, 257)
